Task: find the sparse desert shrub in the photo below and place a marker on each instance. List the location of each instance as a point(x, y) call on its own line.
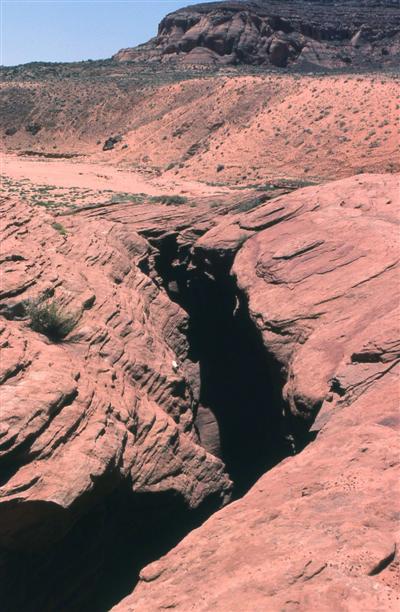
point(122, 197)
point(50, 319)
point(169, 200)
point(45, 203)
point(249, 204)
point(59, 228)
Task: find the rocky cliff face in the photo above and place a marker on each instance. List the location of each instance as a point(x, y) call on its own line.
point(306, 35)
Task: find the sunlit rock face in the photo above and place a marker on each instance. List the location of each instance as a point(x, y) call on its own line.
point(304, 35)
point(99, 454)
point(319, 269)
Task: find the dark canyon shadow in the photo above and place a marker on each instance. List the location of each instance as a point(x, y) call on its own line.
point(241, 384)
point(98, 560)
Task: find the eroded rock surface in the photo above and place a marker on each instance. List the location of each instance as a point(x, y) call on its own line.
point(320, 271)
point(99, 455)
point(305, 34)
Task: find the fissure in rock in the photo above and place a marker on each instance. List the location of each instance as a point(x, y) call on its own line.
point(242, 416)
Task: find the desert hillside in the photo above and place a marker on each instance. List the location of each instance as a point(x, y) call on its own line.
point(234, 129)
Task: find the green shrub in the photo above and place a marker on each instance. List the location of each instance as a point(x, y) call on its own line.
point(169, 199)
point(49, 319)
point(45, 203)
point(249, 204)
point(60, 228)
point(122, 197)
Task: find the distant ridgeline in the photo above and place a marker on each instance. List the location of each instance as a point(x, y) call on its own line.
point(309, 34)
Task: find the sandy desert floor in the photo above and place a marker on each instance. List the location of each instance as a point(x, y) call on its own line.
point(98, 177)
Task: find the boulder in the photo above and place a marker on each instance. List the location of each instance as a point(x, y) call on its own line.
point(111, 142)
point(279, 52)
point(33, 128)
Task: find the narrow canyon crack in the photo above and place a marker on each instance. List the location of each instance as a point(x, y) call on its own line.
point(242, 417)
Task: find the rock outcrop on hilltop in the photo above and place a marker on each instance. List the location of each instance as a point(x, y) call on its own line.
point(318, 273)
point(305, 34)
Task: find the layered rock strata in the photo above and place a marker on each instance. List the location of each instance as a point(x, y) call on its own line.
point(320, 271)
point(301, 34)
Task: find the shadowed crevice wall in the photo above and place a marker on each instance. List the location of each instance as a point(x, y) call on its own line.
point(98, 560)
point(241, 384)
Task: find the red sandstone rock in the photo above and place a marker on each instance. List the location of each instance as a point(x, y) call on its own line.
point(102, 410)
point(318, 532)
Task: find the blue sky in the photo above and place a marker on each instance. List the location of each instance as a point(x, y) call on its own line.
point(70, 30)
